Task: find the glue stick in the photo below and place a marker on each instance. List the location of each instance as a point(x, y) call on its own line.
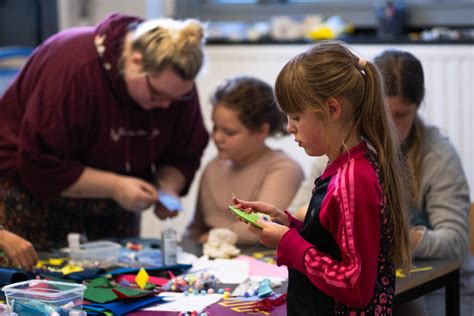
point(169, 243)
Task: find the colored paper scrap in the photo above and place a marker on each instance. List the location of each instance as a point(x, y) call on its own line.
point(400, 274)
point(142, 278)
point(124, 292)
point(151, 270)
point(178, 302)
point(124, 307)
point(131, 278)
point(101, 290)
point(99, 295)
point(260, 268)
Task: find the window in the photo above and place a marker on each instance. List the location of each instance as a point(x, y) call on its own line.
point(422, 13)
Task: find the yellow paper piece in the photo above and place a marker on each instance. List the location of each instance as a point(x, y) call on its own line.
point(41, 263)
point(141, 278)
point(56, 261)
point(67, 269)
point(400, 274)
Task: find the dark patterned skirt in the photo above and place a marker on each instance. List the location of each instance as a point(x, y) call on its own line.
point(46, 224)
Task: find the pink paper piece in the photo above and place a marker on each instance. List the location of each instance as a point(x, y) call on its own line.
point(260, 268)
point(153, 280)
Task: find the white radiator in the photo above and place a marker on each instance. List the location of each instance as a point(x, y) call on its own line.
point(448, 103)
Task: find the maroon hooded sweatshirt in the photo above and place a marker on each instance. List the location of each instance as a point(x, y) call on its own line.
point(69, 108)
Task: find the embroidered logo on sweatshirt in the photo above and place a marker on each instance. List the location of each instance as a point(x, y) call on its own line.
point(116, 134)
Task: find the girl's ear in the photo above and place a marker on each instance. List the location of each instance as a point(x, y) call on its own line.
point(263, 131)
point(334, 108)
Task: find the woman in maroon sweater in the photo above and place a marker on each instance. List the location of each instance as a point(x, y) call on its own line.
point(96, 121)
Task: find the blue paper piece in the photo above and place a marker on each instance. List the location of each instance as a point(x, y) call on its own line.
point(123, 307)
point(86, 274)
point(169, 201)
point(120, 271)
point(9, 276)
point(265, 288)
point(150, 258)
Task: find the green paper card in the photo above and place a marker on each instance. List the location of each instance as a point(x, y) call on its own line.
point(247, 217)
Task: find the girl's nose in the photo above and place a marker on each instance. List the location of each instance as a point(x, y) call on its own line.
point(216, 136)
point(290, 128)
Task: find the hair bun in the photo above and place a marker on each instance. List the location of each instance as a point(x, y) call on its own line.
point(193, 28)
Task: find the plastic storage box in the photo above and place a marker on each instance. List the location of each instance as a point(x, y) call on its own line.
point(96, 251)
point(41, 297)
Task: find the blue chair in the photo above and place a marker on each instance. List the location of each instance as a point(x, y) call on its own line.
point(11, 60)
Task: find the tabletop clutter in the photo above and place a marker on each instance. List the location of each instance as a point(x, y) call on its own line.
point(133, 276)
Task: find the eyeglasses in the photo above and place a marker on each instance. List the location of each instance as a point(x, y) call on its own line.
point(156, 95)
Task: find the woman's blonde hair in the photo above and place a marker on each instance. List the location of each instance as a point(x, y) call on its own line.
point(330, 70)
point(403, 77)
point(167, 43)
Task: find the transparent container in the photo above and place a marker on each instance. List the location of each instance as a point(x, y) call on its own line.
point(96, 251)
point(41, 297)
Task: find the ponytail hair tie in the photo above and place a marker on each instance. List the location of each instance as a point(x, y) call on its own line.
point(361, 64)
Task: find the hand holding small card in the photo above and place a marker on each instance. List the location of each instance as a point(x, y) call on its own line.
point(169, 201)
point(247, 217)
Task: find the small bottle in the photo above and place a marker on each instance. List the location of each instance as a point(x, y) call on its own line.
point(169, 243)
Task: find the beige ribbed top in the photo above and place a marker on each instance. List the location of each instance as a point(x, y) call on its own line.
point(273, 178)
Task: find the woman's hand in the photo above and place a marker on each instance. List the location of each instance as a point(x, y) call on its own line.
point(19, 250)
point(276, 215)
point(415, 237)
point(270, 234)
point(133, 194)
point(163, 213)
point(168, 209)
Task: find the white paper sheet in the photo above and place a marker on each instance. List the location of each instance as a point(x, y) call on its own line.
point(228, 271)
point(178, 302)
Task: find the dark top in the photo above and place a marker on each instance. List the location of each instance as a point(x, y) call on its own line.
point(338, 257)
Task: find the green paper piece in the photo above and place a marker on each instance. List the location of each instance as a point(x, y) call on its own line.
point(101, 282)
point(51, 277)
point(99, 295)
point(132, 292)
point(249, 218)
point(150, 286)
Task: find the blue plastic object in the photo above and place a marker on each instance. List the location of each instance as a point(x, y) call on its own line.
point(265, 288)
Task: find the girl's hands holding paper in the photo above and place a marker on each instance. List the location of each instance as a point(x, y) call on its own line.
point(276, 215)
point(272, 230)
point(270, 234)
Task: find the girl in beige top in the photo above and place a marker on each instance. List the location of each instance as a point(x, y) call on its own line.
point(244, 115)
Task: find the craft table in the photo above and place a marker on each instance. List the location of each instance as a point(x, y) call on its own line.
point(444, 274)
